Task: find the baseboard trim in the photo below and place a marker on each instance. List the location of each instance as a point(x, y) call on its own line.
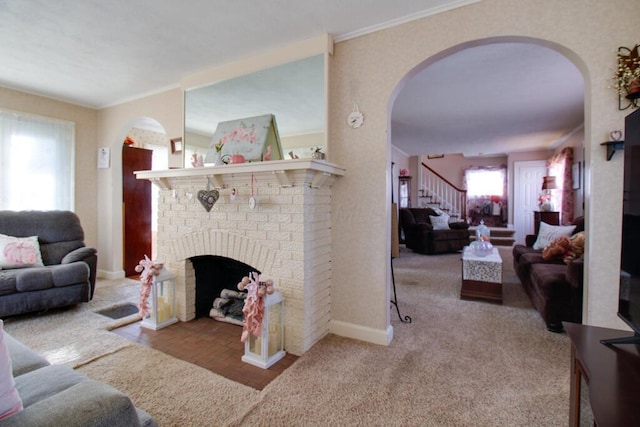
point(362, 333)
point(110, 275)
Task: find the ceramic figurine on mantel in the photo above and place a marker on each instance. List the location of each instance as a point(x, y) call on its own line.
point(196, 160)
point(317, 153)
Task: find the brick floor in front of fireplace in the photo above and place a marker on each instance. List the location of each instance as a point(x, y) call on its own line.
point(210, 344)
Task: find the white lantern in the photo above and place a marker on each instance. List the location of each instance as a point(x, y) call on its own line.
point(163, 301)
point(268, 348)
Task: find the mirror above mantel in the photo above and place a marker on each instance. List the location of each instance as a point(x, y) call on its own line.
point(294, 91)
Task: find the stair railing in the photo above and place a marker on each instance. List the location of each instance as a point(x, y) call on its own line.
point(443, 193)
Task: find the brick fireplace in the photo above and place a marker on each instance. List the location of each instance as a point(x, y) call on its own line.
point(287, 236)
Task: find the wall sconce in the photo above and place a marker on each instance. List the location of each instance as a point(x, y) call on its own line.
point(627, 78)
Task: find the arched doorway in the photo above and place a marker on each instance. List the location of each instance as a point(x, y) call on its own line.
point(145, 147)
point(477, 100)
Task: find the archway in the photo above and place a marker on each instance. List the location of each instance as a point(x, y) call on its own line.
point(147, 133)
point(412, 161)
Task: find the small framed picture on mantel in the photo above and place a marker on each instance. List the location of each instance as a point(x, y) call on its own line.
point(176, 145)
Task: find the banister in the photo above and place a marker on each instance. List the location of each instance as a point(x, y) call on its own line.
point(444, 179)
point(460, 194)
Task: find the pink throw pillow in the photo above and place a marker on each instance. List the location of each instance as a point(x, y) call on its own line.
point(10, 402)
point(19, 252)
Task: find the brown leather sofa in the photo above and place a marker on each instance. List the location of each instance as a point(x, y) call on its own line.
point(555, 288)
point(420, 236)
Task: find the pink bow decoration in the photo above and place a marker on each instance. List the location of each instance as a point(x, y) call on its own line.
point(253, 309)
point(147, 270)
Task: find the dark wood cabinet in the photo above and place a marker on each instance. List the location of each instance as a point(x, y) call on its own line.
point(551, 218)
point(136, 208)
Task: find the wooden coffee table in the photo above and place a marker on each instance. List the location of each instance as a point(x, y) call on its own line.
point(481, 276)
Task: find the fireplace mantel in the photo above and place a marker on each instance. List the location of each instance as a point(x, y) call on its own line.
point(317, 173)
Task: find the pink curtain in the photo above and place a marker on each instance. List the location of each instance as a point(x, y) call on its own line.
point(560, 166)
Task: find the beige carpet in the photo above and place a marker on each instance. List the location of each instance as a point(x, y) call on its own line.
point(460, 363)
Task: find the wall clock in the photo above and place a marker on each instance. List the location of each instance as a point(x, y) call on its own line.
point(355, 119)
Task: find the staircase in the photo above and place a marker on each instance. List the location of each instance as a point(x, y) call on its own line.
point(435, 191)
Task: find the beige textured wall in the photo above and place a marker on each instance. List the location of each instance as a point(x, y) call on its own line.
point(113, 125)
point(371, 69)
point(86, 149)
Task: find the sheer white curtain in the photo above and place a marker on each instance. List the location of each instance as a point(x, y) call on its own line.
point(36, 162)
point(486, 194)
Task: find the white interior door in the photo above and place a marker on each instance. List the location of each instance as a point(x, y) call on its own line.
point(527, 185)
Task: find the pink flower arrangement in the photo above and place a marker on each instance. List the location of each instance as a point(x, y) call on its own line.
point(544, 198)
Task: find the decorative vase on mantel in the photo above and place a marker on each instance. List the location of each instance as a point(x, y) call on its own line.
point(217, 159)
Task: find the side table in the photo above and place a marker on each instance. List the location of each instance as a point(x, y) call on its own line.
point(481, 276)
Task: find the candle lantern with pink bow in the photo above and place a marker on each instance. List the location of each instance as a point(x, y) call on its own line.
point(263, 324)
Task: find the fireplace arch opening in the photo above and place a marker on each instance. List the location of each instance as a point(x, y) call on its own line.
point(213, 274)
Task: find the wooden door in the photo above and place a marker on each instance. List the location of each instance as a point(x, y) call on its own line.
point(136, 208)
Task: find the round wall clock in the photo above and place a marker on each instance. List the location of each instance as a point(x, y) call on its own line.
point(252, 203)
point(355, 119)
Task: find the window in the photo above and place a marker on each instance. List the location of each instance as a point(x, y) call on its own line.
point(485, 182)
point(36, 162)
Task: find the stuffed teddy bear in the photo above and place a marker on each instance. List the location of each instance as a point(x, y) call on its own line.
point(557, 249)
point(577, 247)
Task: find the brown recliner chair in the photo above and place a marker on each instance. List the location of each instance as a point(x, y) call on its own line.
point(421, 237)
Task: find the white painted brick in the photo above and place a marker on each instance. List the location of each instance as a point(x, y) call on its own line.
point(287, 237)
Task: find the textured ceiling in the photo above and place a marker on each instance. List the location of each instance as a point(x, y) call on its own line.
point(490, 99)
point(100, 53)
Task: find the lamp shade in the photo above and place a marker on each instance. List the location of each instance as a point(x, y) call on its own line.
point(549, 183)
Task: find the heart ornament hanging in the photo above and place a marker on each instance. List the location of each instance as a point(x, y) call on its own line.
point(208, 197)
